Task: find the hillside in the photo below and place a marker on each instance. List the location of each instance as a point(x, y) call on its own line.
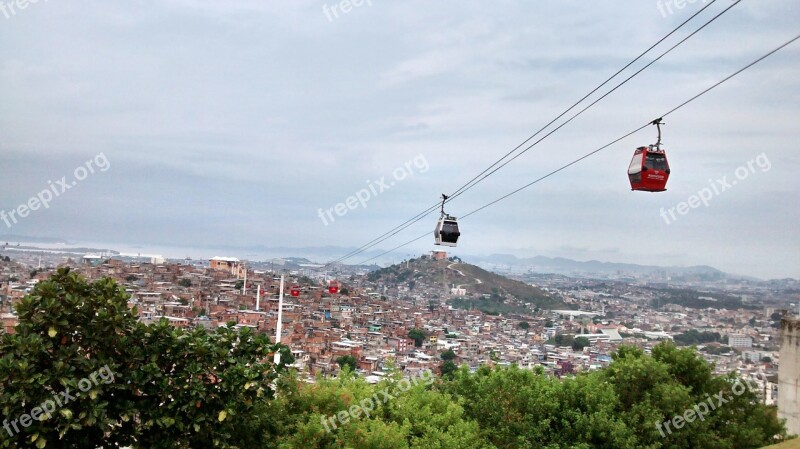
point(485, 291)
point(791, 444)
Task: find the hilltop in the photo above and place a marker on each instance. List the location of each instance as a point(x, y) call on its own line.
point(483, 290)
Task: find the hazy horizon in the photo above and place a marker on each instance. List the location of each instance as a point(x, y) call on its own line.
point(319, 255)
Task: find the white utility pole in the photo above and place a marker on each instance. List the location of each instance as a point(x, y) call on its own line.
point(280, 322)
point(258, 297)
point(244, 286)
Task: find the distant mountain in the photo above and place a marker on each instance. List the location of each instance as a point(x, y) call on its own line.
point(560, 265)
point(502, 262)
point(508, 263)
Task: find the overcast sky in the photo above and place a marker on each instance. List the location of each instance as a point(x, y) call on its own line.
point(236, 122)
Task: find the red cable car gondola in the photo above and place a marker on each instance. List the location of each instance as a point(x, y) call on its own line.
point(649, 169)
point(295, 290)
point(333, 287)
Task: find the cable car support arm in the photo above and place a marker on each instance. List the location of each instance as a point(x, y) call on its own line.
point(658, 122)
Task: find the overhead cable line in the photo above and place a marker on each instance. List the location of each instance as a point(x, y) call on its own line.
point(574, 105)
point(587, 155)
point(597, 100)
point(475, 180)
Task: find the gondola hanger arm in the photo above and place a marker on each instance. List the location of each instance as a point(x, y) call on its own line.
point(658, 122)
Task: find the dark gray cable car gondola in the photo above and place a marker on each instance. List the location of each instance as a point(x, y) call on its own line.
point(446, 232)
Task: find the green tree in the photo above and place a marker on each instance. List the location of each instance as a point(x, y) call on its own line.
point(564, 340)
point(417, 417)
point(348, 361)
point(418, 335)
point(618, 407)
point(524, 409)
point(68, 330)
point(655, 389)
point(448, 368)
point(238, 285)
point(448, 355)
point(716, 350)
point(579, 343)
point(694, 337)
point(185, 282)
point(141, 385)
